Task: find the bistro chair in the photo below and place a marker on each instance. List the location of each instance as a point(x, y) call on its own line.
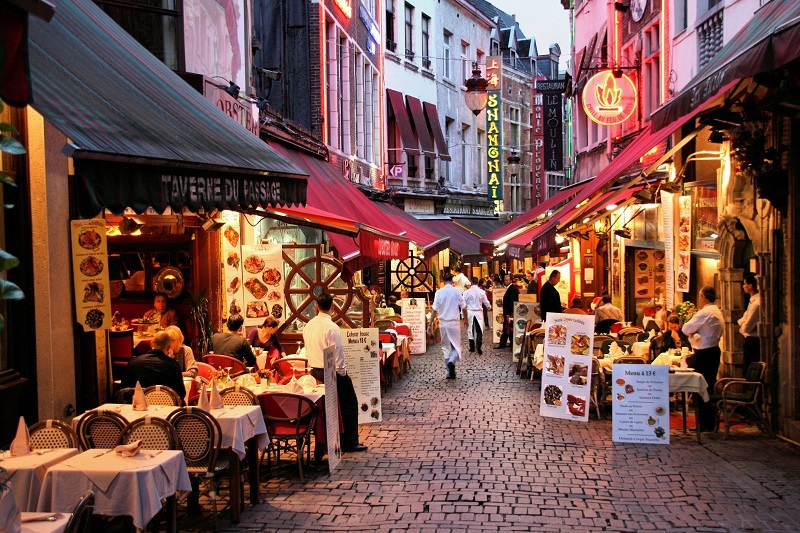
point(643, 336)
point(524, 356)
point(383, 324)
point(205, 371)
point(629, 360)
point(597, 394)
point(49, 434)
point(598, 341)
point(732, 393)
point(535, 338)
point(81, 519)
point(616, 327)
point(207, 460)
point(404, 329)
point(161, 395)
point(120, 349)
point(124, 395)
point(289, 417)
point(220, 362)
point(604, 326)
point(100, 429)
point(291, 366)
point(155, 434)
point(237, 395)
point(630, 335)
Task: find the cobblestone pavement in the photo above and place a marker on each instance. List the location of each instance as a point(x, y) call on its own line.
point(474, 455)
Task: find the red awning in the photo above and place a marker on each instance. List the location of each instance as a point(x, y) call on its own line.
point(462, 240)
point(421, 126)
point(313, 218)
point(436, 127)
point(516, 246)
point(431, 242)
point(410, 143)
point(598, 204)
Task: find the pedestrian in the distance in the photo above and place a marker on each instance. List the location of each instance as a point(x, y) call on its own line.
point(748, 324)
point(476, 302)
point(509, 299)
point(448, 304)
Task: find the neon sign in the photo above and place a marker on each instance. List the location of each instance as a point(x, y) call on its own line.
point(346, 7)
point(494, 129)
point(609, 100)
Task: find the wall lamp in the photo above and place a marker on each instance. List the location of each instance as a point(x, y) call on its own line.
point(476, 96)
point(622, 6)
point(232, 89)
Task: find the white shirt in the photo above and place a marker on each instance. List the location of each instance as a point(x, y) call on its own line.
point(461, 282)
point(448, 303)
point(607, 312)
point(748, 324)
point(319, 333)
point(705, 328)
point(475, 299)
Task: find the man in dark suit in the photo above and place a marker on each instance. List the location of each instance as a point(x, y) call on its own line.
point(509, 299)
point(156, 367)
point(550, 299)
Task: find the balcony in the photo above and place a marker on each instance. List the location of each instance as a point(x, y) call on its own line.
point(391, 45)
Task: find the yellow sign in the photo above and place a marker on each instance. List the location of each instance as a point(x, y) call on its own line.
point(609, 100)
point(494, 128)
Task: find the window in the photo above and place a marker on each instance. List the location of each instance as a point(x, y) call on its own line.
point(412, 166)
point(332, 84)
point(681, 16)
point(515, 127)
point(465, 67)
point(426, 41)
point(360, 114)
point(156, 24)
point(479, 159)
point(391, 43)
point(429, 172)
point(464, 154)
point(409, 32)
point(651, 69)
point(709, 36)
point(448, 37)
point(448, 125)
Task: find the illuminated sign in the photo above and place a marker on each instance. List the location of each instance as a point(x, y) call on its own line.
point(494, 129)
point(608, 100)
point(537, 131)
point(345, 6)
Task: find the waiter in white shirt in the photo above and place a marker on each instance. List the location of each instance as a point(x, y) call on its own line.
point(475, 300)
point(447, 306)
point(748, 324)
point(705, 331)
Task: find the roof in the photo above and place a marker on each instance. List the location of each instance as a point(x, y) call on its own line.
point(504, 20)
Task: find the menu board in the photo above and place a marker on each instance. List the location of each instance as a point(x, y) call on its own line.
point(567, 367)
point(413, 313)
point(331, 408)
point(90, 273)
point(640, 403)
point(643, 270)
point(363, 366)
point(668, 220)
point(523, 311)
point(230, 245)
point(263, 281)
point(497, 312)
point(684, 242)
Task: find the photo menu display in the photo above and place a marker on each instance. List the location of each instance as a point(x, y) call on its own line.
point(567, 367)
point(640, 403)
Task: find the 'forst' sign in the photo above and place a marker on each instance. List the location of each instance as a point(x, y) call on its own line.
point(609, 100)
point(494, 128)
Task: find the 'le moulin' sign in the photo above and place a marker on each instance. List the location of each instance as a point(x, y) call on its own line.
point(494, 129)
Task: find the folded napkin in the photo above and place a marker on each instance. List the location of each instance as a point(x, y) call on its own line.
point(202, 401)
point(307, 382)
point(21, 445)
point(614, 350)
point(40, 517)
point(652, 334)
point(216, 400)
point(128, 450)
point(294, 386)
point(139, 399)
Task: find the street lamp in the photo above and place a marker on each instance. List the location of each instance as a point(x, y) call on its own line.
point(476, 95)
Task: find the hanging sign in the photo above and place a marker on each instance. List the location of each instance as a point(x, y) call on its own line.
point(264, 281)
point(609, 100)
point(684, 242)
point(494, 128)
point(90, 274)
point(668, 220)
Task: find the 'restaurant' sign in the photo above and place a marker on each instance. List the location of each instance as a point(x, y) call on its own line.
point(494, 128)
point(609, 100)
point(539, 181)
point(553, 110)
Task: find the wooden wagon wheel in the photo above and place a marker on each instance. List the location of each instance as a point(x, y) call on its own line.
point(413, 275)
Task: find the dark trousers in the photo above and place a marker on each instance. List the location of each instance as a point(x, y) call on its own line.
point(706, 362)
point(477, 332)
point(752, 351)
point(348, 405)
point(504, 338)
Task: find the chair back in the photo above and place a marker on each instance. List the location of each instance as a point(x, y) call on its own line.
point(291, 366)
point(386, 337)
point(120, 346)
point(124, 395)
point(100, 429)
point(81, 519)
point(206, 371)
point(383, 323)
point(219, 361)
point(155, 434)
point(536, 338)
point(397, 319)
point(49, 434)
point(616, 327)
point(161, 395)
point(238, 396)
point(643, 336)
point(287, 414)
point(630, 335)
point(604, 326)
point(402, 329)
point(754, 374)
point(629, 360)
point(652, 325)
point(199, 435)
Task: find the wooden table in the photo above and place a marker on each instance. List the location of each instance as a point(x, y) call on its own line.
point(26, 473)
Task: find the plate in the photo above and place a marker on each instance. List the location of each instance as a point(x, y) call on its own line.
point(143, 322)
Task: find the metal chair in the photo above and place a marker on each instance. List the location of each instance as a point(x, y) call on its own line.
point(155, 434)
point(630, 335)
point(733, 393)
point(205, 371)
point(100, 429)
point(597, 393)
point(288, 417)
point(629, 360)
point(291, 366)
point(237, 395)
point(206, 460)
point(604, 326)
point(81, 519)
point(219, 362)
point(49, 434)
point(161, 395)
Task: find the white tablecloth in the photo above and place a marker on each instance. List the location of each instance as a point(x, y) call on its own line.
point(127, 412)
point(138, 486)
point(240, 423)
point(25, 474)
point(664, 358)
point(29, 525)
point(689, 382)
point(641, 349)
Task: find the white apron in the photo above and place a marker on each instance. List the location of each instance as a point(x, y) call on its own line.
point(450, 330)
point(478, 315)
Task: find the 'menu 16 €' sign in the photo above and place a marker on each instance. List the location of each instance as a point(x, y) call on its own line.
point(609, 100)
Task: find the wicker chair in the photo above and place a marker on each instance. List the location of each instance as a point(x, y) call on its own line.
point(161, 395)
point(49, 434)
point(219, 362)
point(383, 324)
point(630, 335)
point(81, 519)
point(205, 371)
point(100, 429)
point(629, 360)
point(155, 434)
point(291, 366)
point(238, 396)
point(733, 393)
point(597, 394)
point(288, 417)
point(201, 441)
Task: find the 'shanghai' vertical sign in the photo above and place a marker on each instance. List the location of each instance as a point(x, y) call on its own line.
point(494, 128)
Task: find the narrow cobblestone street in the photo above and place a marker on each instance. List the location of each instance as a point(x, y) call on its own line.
point(474, 455)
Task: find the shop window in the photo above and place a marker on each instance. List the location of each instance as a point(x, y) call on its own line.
point(704, 215)
point(137, 264)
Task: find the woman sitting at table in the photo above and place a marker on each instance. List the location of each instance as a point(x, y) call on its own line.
point(161, 312)
point(673, 337)
point(182, 353)
point(266, 338)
